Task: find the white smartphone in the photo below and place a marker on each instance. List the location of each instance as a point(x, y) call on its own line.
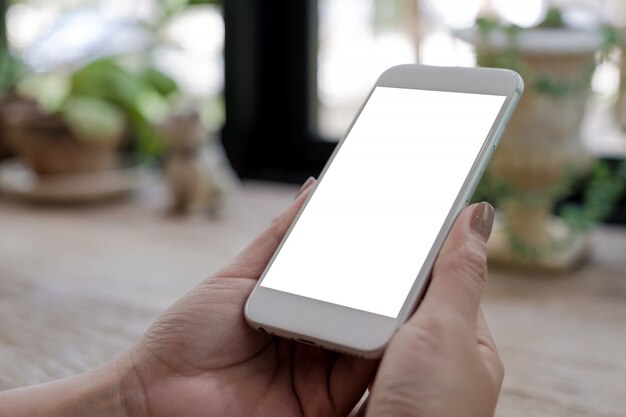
point(356, 261)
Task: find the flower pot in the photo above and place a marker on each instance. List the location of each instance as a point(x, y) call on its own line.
point(541, 148)
point(48, 147)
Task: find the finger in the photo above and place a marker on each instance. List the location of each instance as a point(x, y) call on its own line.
point(311, 367)
point(460, 270)
point(349, 379)
point(251, 262)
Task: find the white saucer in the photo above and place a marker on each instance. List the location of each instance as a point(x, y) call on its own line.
point(20, 182)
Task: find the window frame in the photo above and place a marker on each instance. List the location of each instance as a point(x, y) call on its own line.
point(270, 62)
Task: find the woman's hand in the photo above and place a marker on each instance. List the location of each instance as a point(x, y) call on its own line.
point(202, 359)
point(443, 361)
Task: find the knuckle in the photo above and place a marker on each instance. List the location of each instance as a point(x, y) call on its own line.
point(276, 222)
point(277, 228)
point(434, 325)
point(430, 331)
point(468, 260)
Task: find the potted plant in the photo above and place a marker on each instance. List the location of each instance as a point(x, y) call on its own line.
point(81, 127)
point(541, 154)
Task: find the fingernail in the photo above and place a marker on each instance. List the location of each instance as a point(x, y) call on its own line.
point(305, 186)
point(482, 220)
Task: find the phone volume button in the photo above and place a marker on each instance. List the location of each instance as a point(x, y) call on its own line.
point(498, 137)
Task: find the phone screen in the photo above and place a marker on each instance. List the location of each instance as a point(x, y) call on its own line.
point(365, 233)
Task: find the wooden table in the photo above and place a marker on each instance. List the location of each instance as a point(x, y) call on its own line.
point(79, 285)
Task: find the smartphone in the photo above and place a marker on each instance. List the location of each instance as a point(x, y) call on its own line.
point(357, 259)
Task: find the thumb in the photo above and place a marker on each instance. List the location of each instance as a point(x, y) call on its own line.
point(460, 271)
point(252, 260)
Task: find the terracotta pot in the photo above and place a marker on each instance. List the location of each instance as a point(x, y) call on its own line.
point(46, 144)
point(541, 147)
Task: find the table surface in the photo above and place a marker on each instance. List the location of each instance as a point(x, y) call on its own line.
point(79, 285)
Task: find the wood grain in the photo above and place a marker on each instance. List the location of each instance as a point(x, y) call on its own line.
point(79, 285)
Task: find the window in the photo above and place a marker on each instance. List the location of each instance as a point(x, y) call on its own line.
point(358, 40)
point(270, 89)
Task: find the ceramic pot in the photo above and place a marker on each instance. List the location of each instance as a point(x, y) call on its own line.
point(541, 148)
point(48, 147)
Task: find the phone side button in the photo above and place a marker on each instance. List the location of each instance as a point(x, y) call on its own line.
point(498, 137)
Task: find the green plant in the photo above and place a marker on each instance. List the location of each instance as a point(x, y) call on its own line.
point(553, 19)
point(600, 192)
point(10, 71)
point(103, 98)
point(604, 189)
point(140, 95)
point(10, 67)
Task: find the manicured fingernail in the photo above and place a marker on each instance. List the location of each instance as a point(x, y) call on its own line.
point(482, 220)
point(309, 182)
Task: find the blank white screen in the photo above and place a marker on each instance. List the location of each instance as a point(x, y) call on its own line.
point(365, 233)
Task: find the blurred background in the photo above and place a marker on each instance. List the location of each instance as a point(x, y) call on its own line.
point(143, 143)
point(100, 97)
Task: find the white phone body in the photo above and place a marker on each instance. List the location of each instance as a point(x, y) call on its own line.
point(357, 259)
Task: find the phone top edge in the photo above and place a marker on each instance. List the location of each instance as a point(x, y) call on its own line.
point(519, 80)
point(473, 80)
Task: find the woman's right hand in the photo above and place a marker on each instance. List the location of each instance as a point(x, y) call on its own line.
point(443, 361)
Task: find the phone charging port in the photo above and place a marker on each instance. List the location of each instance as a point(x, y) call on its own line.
point(307, 342)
